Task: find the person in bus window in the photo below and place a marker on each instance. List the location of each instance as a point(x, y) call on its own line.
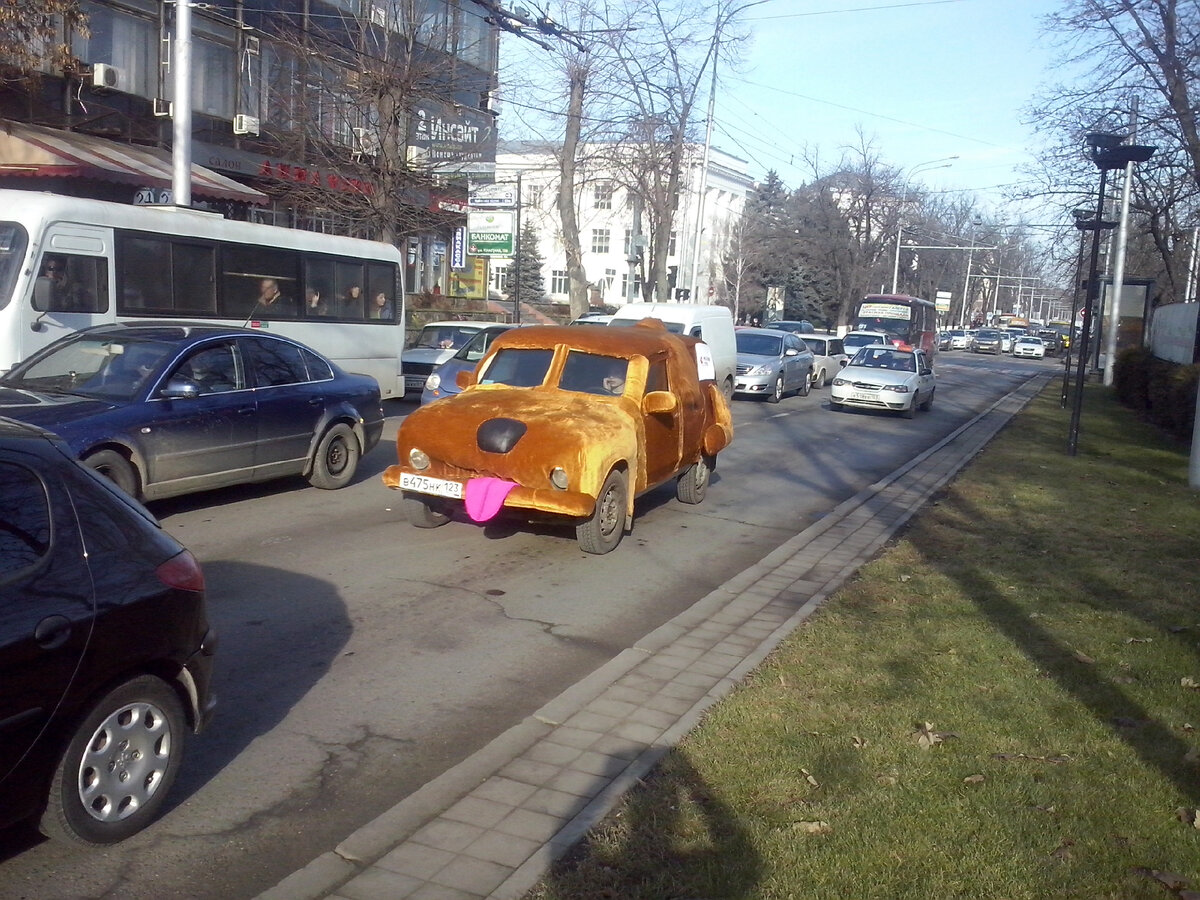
point(381, 307)
point(352, 305)
point(65, 294)
point(272, 301)
point(313, 304)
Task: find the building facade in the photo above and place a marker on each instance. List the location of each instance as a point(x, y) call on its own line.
point(337, 116)
point(611, 227)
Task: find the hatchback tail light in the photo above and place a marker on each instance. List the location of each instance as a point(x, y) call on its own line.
point(182, 572)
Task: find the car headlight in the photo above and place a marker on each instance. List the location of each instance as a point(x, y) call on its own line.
point(840, 382)
point(433, 382)
point(558, 478)
point(898, 388)
point(418, 458)
point(760, 370)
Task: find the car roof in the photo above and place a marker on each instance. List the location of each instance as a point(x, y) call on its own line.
point(647, 337)
point(167, 329)
point(11, 429)
point(459, 323)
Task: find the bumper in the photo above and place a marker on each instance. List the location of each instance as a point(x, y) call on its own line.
point(196, 679)
point(894, 403)
point(753, 385)
point(543, 500)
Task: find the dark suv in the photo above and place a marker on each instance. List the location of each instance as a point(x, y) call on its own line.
point(1052, 340)
point(105, 647)
point(987, 340)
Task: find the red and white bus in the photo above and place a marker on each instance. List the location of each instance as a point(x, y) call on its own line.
point(910, 321)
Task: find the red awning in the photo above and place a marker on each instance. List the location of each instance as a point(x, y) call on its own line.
point(36, 151)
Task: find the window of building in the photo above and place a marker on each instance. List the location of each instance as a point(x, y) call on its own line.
point(671, 245)
point(500, 276)
point(473, 38)
point(120, 39)
point(534, 195)
point(213, 78)
point(628, 242)
point(600, 240)
point(603, 195)
point(560, 282)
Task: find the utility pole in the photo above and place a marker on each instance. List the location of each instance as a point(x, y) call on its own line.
point(181, 124)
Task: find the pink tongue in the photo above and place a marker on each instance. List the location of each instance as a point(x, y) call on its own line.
point(485, 496)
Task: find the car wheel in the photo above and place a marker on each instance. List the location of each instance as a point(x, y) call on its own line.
point(604, 530)
point(114, 776)
point(727, 389)
point(776, 390)
point(693, 483)
point(336, 459)
point(911, 410)
point(116, 468)
point(806, 385)
point(424, 513)
point(927, 403)
point(818, 381)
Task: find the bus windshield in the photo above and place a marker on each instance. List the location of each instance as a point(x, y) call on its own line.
point(13, 241)
point(909, 321)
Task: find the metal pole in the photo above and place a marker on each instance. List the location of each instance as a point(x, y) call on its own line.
point(517, 257)
point(1074, 313)
point(181, 126)
point(1114, 317)
point(1093, 293)
point(712, 98)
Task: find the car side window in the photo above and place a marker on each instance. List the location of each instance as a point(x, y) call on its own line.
point(835, 347)
point(276, 362)
point(24, 520)
point(318, 368)
point(213, 368)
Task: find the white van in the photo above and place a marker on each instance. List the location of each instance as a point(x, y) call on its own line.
point(712, 324)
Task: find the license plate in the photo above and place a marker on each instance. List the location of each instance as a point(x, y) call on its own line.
point(862, 395)
point(423, 484)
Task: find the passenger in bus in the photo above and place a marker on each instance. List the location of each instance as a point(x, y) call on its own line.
point(272, 301)
point(65, 295)
point(314, 305)
point(381, 307)
point(352, 303)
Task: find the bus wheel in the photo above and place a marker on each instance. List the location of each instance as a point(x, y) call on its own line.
point(336, 459)
point(116, 468)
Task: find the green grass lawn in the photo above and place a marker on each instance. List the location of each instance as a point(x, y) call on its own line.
point(1003, 704)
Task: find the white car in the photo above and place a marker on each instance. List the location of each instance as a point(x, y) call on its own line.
point(1030, 347)
point(827, 357)
point(885, 377)
point(433, 345)
point(959, 339)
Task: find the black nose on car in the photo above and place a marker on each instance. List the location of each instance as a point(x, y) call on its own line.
point(499, 435)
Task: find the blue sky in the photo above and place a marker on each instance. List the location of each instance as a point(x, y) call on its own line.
point(924, 79)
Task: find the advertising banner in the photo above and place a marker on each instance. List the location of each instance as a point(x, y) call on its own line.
point(491, 233)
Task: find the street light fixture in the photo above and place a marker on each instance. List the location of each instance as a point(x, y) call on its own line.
point(1107, 151)
point(928, 165)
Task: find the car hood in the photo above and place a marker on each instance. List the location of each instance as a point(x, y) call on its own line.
point(867, 375)
point(428, 355)
point(581, 433)
point(50, 411)
point(754, 359)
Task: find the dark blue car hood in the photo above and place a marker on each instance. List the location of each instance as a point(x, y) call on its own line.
point(48, 410)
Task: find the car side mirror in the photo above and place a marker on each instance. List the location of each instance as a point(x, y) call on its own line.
point(659, 402)
point(791, 351)
point(464, 379)
point(843, 363)
point(180, 389)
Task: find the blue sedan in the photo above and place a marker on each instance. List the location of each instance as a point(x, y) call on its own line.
point(442, 382)
point(168, 408)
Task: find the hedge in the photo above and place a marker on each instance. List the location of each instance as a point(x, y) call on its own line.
point(1163, 392)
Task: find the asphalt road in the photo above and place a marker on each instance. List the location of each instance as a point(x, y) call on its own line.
point(361, 657)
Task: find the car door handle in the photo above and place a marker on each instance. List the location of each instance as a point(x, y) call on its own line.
point(245, 410)
point(316, 401)
point(52, 632)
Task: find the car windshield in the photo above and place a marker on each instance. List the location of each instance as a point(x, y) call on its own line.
point(443, 337)
point(474, 349)
point(884, 358)
point(858, 340)
point(518, 367)
point(112, 368)
point(755, 344)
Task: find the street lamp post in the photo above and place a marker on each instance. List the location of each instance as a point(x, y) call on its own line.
point(1084, 222)
point(928, 165)
point(1108, 151)
point(962, 313)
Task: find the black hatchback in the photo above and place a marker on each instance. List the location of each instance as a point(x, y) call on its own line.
point(105, 648)
point(167, 408)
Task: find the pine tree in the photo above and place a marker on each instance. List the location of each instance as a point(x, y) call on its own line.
point(525, 280)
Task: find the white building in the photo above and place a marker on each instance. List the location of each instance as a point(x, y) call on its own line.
point(605, 210)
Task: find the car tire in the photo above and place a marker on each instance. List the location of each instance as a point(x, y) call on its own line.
point(911, 410)
point(927, 403)
point(776, 390)
point(818, 381)
point(119, 765)
point(692, 485)
point(423, 513)
point(116, 468)
point(727, 389)
point(806, 386)
point(603, 530)
point(336, 459)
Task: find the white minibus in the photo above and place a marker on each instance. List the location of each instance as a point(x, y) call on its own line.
point(67, 263)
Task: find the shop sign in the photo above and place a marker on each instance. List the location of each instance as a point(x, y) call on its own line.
point(447, 131)
point(458, 248)
point(490, 233)
point(256, 165)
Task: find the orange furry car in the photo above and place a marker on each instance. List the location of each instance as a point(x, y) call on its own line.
point(567, 422)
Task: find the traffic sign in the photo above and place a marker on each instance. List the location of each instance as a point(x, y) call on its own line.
point(502, 195)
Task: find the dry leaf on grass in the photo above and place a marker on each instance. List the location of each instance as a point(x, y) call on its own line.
point(1083, 657)
point(1060, 758)
point(809, 778)
point(905, 578)
point(887, 780)
point(1169, 880)
point(1064, 850)
point(812, 827)
point(974, 779)
point(858, 742)
point(1189, 817)
point(1189, 682)
point(926, 736)
point(1138, 640)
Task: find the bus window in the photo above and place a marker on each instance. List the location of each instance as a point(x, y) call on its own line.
point(259, 282)
point(381, 280)
point(352, 297)
point(13, 240)
point(319, 296)
point(70, 283)
point(160, 276)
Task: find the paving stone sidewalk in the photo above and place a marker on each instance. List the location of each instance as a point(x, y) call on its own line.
point(491, 826)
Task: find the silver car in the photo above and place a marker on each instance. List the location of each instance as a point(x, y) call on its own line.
point(771, 364)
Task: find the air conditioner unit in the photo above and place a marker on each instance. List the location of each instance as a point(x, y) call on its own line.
point(163, 107)
point(106, 76)
point(253, 45)
point(245, 124)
